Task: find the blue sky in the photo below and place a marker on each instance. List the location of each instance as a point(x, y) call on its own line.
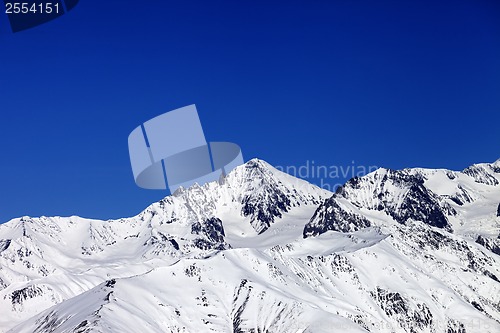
point(388, 83)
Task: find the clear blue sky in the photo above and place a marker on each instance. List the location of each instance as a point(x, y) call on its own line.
point(389, 83)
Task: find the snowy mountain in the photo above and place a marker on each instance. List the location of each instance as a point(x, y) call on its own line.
point(415, 250)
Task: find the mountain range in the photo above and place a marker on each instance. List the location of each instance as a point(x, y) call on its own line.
point(413, 250)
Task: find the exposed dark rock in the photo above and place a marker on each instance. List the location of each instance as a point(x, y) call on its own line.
point(331, 216)
point(203, 244)
point(477, 306)
point(461, 197)
point(420, 205)
point(212, 228)
point(454, 326)
point(241, 297)
point(162, 242)
point(456, 200)
point(491, 244)
point(107, 296)
point(397, 307)
point(3, 284)
point(110, 283)
point(480, 175)
point(49, 323)
point(192, 271)
point(491, 275)
point(81, 328)
point(433, 239)
point(267, 198)
point(5, 243)
point(450, 175)
point(496, 167)
point(19, 296)
point(265, 211)
point(417, 203)
point(211, 233)
point(174, 244)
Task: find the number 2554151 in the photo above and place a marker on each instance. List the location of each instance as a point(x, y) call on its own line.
point(31, 8)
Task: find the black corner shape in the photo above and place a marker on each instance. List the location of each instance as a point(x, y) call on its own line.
point(26, 14)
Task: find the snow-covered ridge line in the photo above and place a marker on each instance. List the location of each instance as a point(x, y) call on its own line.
point(439, 198)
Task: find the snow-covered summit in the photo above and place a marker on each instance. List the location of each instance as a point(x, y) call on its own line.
point(256, 190)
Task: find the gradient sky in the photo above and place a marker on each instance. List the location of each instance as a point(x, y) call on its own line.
point(388, 83)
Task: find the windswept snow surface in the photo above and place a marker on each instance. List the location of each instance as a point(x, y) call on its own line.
point(415, 250)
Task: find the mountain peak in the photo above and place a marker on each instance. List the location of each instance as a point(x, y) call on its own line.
point(261, 194)
point(257, 162)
